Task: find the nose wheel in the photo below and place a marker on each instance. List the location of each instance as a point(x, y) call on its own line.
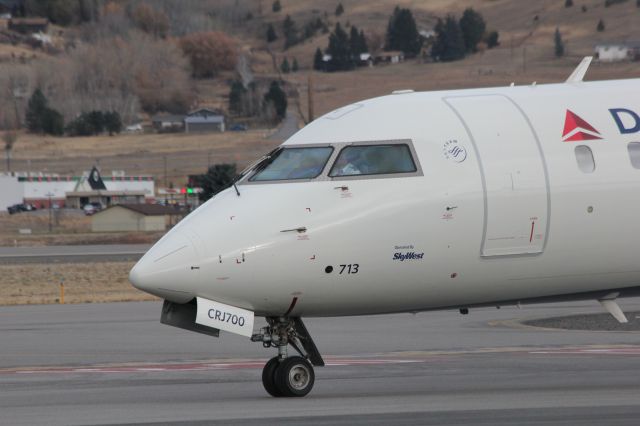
point(293, 377)
point(285, 376)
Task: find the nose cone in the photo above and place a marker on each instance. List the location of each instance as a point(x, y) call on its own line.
point(169, 269)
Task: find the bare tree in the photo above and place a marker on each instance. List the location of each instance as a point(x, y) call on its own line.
point(151, 21)
point(244, 70)
point(375, 41)
point(119, 74)
point(9, 137)
point(209, 53)
point(112, 21)
point(14, 88)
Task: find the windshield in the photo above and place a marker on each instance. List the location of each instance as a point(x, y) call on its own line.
point(373, 160)
point(293, 163)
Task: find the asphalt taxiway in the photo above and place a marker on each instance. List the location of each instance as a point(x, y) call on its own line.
point(116, 364)
point(77, 253)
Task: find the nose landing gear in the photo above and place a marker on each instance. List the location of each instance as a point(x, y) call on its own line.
point(285, 376)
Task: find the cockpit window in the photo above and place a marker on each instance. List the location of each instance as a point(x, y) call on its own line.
point(293, 163)
point(373, 160)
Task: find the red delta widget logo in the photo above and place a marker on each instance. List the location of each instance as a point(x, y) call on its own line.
point(577, 129)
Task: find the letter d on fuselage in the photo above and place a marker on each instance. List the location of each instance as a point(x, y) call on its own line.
point(626, 120)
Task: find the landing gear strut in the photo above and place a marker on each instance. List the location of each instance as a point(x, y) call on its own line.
point(285, 376)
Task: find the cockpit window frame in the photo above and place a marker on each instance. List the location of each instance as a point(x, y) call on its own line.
point(246, 178)
point(257, 170)
point(343, 149)
point(408, 142)
point(337, 149)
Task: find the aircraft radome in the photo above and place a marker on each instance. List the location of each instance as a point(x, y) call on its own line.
point(413, 202)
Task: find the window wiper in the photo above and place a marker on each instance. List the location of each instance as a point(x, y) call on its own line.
point(258, 165)
point(235, 186)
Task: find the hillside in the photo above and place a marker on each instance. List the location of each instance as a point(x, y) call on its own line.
point(525, 54)
point(515, 21)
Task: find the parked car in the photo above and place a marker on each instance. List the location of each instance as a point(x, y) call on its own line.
point(134, 128)
point(92, 208)
point(239, 128)
point(21, 207)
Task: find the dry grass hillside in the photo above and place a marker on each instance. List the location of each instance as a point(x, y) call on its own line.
point(140, 153)
point(525, 54)
point(513, 19)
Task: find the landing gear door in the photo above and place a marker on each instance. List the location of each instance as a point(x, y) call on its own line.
point(516, 194)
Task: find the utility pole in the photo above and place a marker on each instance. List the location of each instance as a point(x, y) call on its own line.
point(49, 195)
point(511, 47)
point(310, 96)
point(12, 93)
point(165, 171)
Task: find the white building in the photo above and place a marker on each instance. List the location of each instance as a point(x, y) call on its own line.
point(617, 52)
point(11, 192)
point(73, 191)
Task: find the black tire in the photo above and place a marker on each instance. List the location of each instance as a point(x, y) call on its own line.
point(295, 377)
point(269, 377)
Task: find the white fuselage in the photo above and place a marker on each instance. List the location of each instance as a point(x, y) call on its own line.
point(501, 210)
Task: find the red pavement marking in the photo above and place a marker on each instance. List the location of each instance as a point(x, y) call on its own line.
point(195, 366)
point(590, 351)
point(258, 364)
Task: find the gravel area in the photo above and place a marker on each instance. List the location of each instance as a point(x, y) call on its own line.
point(27, 284)
point(594, 322)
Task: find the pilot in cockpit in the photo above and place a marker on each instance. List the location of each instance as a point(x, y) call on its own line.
point(309, 167)
point(350, 164)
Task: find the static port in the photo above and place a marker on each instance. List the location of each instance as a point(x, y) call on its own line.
point(328, 269)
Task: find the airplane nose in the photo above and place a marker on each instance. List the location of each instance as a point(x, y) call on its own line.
point(168, 270)
point(139, 276)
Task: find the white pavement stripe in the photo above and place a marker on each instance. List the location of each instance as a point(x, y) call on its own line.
point(107, 253)
point(195, 367)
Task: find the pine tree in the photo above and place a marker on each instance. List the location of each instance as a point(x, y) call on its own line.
point(391, 37)
point(473, 27)
point(492, 39)
point(600, 26)
point(402, 32)
point(318, 63)
point(52, 122)
point(217, 178)
point(271, 34)
point(364, 47)
point(354, 41)
point(339, 49)
point(96, 122)
point(568, 3)
point(277, 98)
point(276, 6)
point(236, 95)
point(294, 66)
point(284, 66)
point(36, 108)
point(112, 122)
point(290, 32)
point(339, 9)
point(559, 44)
point(449, 44)
point(357, 42)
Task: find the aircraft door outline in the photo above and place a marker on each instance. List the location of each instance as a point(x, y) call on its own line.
point(514, 174)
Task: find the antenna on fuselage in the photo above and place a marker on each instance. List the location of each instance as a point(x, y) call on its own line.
point(578, 74)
